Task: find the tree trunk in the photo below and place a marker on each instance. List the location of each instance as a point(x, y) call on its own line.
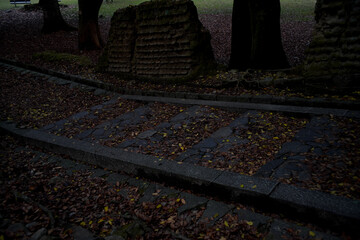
point(89, 32)
point(256, 36)
point(53, 20)
point(241, 35)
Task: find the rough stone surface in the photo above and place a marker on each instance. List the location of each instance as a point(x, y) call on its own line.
point(38, 234)
point(158, 39)
point(80, 233)
point(192, 202)
point(335, 48)
point(215, 210)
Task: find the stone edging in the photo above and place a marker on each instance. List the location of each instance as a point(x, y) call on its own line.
point(317, 207)
point(265, 99)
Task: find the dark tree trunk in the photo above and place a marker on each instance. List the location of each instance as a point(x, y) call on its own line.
point(256, 36)
point(241, 35)
point(53, 20)
point(89, 32)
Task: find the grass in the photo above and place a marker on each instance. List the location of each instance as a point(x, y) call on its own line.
point(298, 9)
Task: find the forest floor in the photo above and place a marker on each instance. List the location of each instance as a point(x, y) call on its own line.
point(34, 105)
point(21, 40)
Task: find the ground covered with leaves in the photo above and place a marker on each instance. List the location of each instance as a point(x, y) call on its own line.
point(39, 194)
point(33, 102)
point(21, 38)
point(337, 169)
point(31, 190)
point(266, 133)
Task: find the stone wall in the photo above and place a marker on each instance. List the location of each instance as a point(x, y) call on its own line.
point(161, 39)
point(335, 49)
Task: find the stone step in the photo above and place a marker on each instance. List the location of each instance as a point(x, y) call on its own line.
point(213, 211)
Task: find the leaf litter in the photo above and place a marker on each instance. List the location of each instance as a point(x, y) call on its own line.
point(76, 198)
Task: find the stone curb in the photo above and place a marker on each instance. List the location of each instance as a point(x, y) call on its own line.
point(250, 106)
point(268, 99)
point(320, 208)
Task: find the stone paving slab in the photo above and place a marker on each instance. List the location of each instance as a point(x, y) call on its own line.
point(320, 205)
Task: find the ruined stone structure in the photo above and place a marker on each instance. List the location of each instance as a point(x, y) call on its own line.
point(161, 39)
point(334, 52)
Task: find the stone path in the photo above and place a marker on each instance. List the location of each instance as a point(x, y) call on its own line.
point(137, 111)
point(287, 163)
point(213, 210)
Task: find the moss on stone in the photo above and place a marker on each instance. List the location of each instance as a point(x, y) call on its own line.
point(51, 56)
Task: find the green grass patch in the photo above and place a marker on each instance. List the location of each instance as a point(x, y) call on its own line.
point(5, 4)
point(298, 9)
point(51, 56)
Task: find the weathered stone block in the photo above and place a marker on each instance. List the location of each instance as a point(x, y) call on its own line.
point(158, 40)
point(334, 48)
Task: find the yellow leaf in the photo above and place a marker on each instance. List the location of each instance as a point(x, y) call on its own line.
point(55, 189)
point(226, 224)
point(275, 138)
point(106, 208)
point(253, 187)
point(312, 234)
point(101, 220)
point(90, 222)
point(250, 223)
point(82, 224)
point(159, 206)
point(242, 185)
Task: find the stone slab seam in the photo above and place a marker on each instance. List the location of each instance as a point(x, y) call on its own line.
point(293, 101)
point(337, 212)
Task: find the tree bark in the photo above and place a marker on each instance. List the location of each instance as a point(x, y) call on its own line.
point(241, 35)
point(53, 20)
point(89, 32)
point(256, 36)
